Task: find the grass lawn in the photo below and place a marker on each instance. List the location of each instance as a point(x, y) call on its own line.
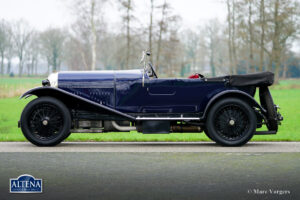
point(286, 95)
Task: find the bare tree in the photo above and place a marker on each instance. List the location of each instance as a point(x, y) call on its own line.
point(73, 54)
point(245, 33)
point(94, 35)
point(192, 43)
point(6, 45)
point(270, 27)
point(10, 50)
point(230, 37)
point(87, 28)
point(284, 16)
point(82, 43)
point(233, 34)
point(213, 30)
point(276, 37)
point(21, 34)
point(52, 41)
point(250, 25)
point(32, 53)
point(162, 29)
point(150, 28)
point(173, 49)
point(275, 26)
point(3, 43)
point(262, 23)
point(127, 6)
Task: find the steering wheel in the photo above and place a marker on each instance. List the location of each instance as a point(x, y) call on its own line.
point(152, 70)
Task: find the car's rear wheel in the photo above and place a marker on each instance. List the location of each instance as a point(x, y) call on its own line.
point(45, 121)
point(231, 122)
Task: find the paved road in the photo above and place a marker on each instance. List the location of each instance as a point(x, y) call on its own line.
point(200, 170)
point(155, 175)
point(150, 147)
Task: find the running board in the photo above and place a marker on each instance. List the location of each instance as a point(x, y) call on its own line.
point(265, 132)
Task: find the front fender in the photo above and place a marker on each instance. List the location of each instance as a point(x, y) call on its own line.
point(37, 91)
point(67, 97)
point(232, 93)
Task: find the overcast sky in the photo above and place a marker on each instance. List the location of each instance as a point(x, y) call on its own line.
point(42, 14)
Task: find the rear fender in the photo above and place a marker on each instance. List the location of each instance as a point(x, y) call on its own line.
point(68, 98)
point(232, 93)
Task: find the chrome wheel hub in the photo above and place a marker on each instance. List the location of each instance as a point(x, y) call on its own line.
point(45, 122)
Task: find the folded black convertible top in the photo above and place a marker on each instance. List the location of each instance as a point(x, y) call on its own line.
point(255, 79)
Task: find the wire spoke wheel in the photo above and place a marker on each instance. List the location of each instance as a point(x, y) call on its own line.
point(46, 121)
point(231, 122)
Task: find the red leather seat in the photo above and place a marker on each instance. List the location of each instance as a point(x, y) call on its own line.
point(194, 76)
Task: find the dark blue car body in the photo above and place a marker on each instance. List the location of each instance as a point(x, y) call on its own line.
point(124, 91)
point(104, 101)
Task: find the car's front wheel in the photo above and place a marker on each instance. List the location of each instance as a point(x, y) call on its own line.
point(45, 121)
point(231, 122)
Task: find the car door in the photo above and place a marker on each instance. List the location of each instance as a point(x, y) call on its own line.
point(163, 95)
point(160, 92)
point(174, 95)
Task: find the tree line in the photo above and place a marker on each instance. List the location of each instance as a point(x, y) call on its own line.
point(257, 35)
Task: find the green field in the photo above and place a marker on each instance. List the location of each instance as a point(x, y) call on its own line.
point(286, 95)
point(12, 87)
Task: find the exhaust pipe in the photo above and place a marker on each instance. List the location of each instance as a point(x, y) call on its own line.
point(122, 128)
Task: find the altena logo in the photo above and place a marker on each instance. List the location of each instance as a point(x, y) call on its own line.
point(25, 183)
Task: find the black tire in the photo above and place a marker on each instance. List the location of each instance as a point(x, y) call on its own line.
point(231, 122)
point(207, 134)
point(67, 135)
point(45, 121)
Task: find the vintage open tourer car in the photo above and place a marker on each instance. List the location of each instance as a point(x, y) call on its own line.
point(223, 108)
